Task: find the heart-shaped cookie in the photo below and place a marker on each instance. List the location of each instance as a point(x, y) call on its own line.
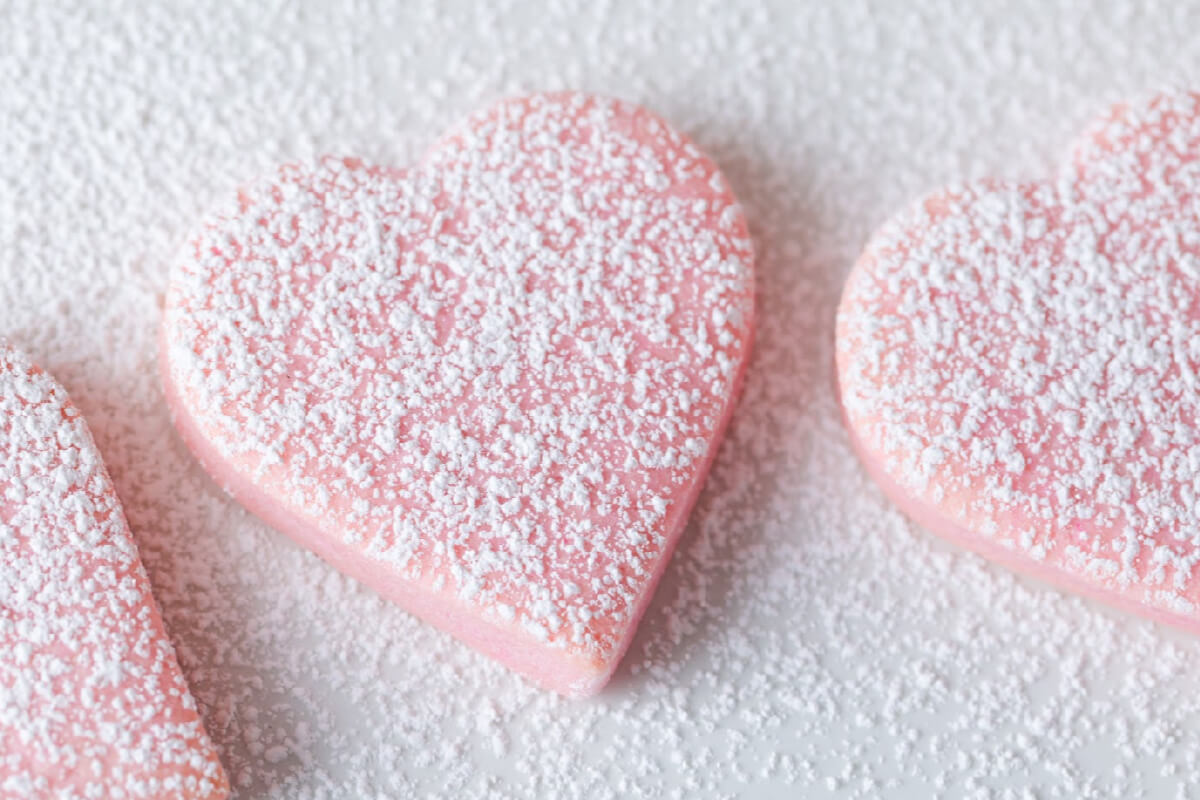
point(489, 387)
point(1019, 363)
point(92, 702)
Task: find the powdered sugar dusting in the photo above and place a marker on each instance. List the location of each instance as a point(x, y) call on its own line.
point(806, 640)
point(92, 703)
point(499, 375)
point(1022, 358)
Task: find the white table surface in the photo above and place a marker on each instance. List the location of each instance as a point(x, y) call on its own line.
point(807, 641)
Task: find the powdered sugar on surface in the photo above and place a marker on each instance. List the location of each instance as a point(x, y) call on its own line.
point(92, 702)
point(806, 641)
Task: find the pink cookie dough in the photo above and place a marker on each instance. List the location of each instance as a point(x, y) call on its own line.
point(92, 702)
point(1019, 364)
point(490, 386)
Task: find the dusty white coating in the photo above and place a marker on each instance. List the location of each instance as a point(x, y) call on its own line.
point(807, 641)
point(1020, 359)
point(92, 702)
point(496, 376)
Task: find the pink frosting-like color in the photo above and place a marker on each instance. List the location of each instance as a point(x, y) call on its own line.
point(1018, 363)
point(489, 387)
point(92, 702)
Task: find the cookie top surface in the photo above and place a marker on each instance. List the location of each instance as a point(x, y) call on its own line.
point(1023, 359)
point(499, 372)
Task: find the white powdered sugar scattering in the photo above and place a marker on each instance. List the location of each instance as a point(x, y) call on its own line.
point(806, 640)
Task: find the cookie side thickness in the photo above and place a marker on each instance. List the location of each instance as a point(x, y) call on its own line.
point(1011, 369)
point(566, 317)
point(91, 697)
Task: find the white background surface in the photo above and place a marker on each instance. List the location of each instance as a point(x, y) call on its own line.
point(807, 642)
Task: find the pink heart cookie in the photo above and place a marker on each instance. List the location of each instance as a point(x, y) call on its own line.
point(92, 702)
point(489, 387)
point(1019, 363)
